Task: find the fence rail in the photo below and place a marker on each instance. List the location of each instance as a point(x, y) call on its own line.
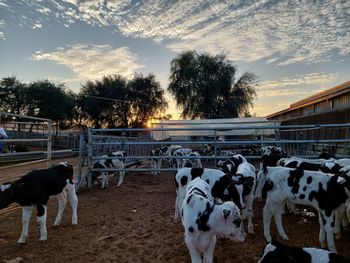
point(298, 140)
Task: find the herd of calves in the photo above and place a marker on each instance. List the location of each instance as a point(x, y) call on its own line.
point(214, 202)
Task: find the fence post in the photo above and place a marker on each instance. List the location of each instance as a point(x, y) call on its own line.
point(89, 173)
point(81, 160)
point(49, 144)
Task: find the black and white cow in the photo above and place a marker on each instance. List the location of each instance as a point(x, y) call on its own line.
point(34, 189)
point(203, 220)
point(192, 162)
point(230, 164)
point(334, 166)
point(275, 252)
point(180, 155)
point(324, 192)
point(246, 181)
point(270, 155)
point(157, 156)
point(304, 164)
point(222, 186)
point(117, 160)
point(13, 148)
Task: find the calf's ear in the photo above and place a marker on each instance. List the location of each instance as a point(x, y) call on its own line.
point(226, 213)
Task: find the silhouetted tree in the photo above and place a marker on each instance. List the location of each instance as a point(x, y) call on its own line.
point(205, 86)
point(13, 96)
point(117, 102)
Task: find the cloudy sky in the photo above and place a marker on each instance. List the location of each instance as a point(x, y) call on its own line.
point(297, 48)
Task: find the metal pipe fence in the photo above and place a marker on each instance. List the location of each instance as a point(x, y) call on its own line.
point(25, 124)
point(297, 140)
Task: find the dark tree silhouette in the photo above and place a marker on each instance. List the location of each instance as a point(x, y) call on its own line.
point(205, 86)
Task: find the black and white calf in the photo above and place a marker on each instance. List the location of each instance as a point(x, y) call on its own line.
point(181, 154)
point(275, 252)
point(325, 192)
point(113, 160)
point(117, 159)
point(304, 164)
point(192, 162)
point(203, 220)
point(222, 186)
point(13, 148)
point(245, 179)
point(270, 155)
point(230, 164)
point(157, 156)
point(34, 189)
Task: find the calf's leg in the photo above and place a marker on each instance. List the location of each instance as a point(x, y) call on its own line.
point(26, 214)
point(41, 218)
point(62, 200)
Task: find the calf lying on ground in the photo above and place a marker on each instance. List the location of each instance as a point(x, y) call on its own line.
point(34, 189)
point(221, 185)
point(13, 148)
point(276, 252)
point(203, 220)
point(324, 192)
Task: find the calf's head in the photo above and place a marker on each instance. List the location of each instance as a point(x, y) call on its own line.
point(6, 195)
point(230, 224)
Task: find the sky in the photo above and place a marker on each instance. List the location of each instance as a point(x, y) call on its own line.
point(297, 48)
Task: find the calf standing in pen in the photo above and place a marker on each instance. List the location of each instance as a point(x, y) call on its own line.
point(324, 192)
point(203, 220)
point(230, 164)
point(157, 156)
point(245, 181)
point(221, 185)
point(192, 162)
point(114, 160)
point(117, 160)
point(34, 189)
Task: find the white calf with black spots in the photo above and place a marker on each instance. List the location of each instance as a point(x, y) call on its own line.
point(192, 162)
point(230, 164)
point(182, 152)
point(324, 192)
point(221, 185)
point(203, 220)
point(275, 252)
point(157, 156)
point(34, 189)
point(246, 182)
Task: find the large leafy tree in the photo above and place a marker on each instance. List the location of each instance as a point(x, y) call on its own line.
point(206, 86)
point(98, 101)
point(117, 102)
point(13, 95)
point(52, 101)
point(148, 100)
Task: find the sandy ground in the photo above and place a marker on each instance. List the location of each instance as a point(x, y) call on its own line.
point(133, 223)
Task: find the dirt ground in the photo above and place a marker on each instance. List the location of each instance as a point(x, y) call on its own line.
point(133, 223)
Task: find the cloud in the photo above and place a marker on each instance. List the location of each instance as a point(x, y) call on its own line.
point(276, 95)
point(91, 62)
point(37, 25)
point(283, 32)
point(2, 34)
